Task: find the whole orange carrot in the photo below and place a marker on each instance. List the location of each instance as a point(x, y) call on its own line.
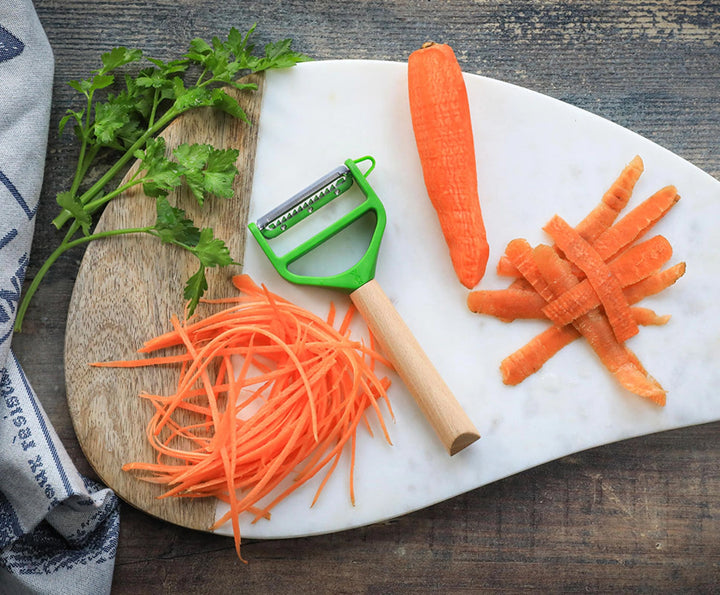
point(443, 133)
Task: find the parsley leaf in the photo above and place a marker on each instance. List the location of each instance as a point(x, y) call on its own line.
point(125, 104)
point(67, 200)
point(162, 175)
point(110, 118)
point(211, 251)
point(195, 287)
point(94, 83)
point(279, 55)
point(117, 57)
point(207, 171)
point(71, 115)
point(173, 226)
point(219, 99)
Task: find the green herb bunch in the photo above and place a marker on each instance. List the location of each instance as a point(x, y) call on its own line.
point(122, 117)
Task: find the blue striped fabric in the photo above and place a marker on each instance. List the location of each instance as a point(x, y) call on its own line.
point(58, 530)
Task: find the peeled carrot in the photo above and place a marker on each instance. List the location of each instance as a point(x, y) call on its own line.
point(267, 391)
point(442, 125)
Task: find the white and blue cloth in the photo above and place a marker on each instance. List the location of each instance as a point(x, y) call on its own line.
point(58, 530)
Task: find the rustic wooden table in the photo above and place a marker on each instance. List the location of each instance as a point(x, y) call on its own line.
point(638, 516)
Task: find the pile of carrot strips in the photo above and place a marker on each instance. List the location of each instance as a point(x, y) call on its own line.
point(268, 395)
point(587, 282)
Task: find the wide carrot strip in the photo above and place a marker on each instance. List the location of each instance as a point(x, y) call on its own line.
point(630, 267)
point(654, 283)
point(520, 254)
point(636, 223)
point(532, 356)
point(605, 284)
point(598, 332)
point(613, 201)
point(506, 304)
point(648, 317)
point(505, 268)
point(442, 125)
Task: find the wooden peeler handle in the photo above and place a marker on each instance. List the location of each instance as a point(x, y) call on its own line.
point(424, 382)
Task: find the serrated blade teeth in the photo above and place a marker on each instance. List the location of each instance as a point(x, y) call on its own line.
point(331, 184)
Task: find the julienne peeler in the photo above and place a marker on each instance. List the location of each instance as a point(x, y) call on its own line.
point(433, 396)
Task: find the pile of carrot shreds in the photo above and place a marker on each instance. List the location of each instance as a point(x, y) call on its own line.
point(587, 284)
point(268, 395)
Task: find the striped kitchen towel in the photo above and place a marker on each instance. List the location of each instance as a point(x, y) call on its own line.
point(58, 530)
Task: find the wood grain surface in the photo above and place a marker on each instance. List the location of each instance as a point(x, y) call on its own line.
point(108, 320)
point(641, 516)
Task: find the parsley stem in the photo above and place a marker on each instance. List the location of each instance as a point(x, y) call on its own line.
point(59, 251)
point(156, 103)
point(107, 234)
point(82, 164)
point(85, 161)
point(94, 205)
point(65, 245)
point(200, 78)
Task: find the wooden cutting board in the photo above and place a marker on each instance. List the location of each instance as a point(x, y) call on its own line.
point(536, 157)
point(126, 290)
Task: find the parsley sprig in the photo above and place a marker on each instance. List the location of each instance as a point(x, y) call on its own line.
point(120, 119)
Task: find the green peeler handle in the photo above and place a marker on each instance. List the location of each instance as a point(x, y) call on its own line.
point(432, 394)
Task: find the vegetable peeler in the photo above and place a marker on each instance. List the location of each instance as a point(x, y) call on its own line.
point(433, 396)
